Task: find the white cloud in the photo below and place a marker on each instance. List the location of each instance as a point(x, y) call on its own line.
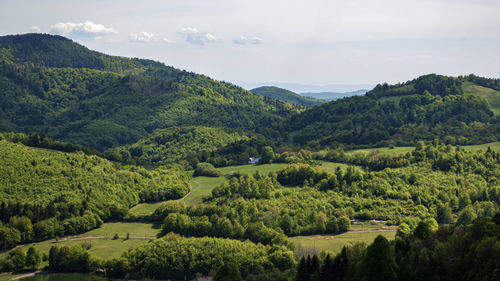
point(256, 41)
point(144, 37)
point(242, 40)
point(35, 28)
point(194, 36)
point(86, 29)
point(166, 40)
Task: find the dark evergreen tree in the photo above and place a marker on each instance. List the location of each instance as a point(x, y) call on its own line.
point(379, 263)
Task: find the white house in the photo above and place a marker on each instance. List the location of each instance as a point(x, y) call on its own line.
point(253, 160)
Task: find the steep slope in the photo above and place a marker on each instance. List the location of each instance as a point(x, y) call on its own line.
point(57, 51)
point(286, 95)
point(66, 193)
point(47, 175)
point(429, 107)
point(52, 85)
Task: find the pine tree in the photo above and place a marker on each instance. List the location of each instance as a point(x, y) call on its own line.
point(302, 270)
point(379, 263)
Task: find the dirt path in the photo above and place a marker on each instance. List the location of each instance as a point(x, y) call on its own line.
point(187, 194)
point(26, 275)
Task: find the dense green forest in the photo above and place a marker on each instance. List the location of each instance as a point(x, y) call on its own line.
point(46, 193)
point(177, 143)
point(190, 145)
point(54, 86)
point(286, 95)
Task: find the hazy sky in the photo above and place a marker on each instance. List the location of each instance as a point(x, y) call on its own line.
point(311, 42)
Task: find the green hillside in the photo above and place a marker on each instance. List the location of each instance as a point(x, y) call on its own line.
point(491, 95)
point(177, 143)
point(51, 85)
point(61, 193)
point(286, 95)
point(121, 151)
point(429, 107)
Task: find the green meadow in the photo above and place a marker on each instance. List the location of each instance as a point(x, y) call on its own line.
point(385, 150)
point(492, 96)
point(358, 234)
point(101, 239)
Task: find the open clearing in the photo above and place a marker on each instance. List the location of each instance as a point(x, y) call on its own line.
point(384, 150)
point(359, 233)
point(493, 145)
point(492, 96)
point(404, 149)
point(100, 239)
point(136, 229)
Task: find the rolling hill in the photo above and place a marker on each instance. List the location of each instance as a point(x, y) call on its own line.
point(176, 143)
point(52, 85)
point(58, 193)
point(489, 94)
point(453, 110)
point(286, 95)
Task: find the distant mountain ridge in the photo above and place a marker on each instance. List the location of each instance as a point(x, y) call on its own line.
point(306, 88)
point(286, 95)
point(329, 96)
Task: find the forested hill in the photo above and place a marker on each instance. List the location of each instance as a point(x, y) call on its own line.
point(429, 107)
point(52, 85)
point(57, 51)
point(286, 95)
point(54, 193)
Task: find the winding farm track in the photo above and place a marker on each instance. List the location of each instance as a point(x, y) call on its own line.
point(26, 275)
point(74, 238)
point(187, 194)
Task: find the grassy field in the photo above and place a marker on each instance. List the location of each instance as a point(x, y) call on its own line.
point(492, 96)
point(202, 187)
point(493, 145)
point(404, 149)
point(251, 169)
point(385, 150)
point(136, 229)
point(144, 209)
point(103, 245)
point(306, 245)
point(331, 167)
point(100, 247)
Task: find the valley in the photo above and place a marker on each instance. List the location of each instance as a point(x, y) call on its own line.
point(131, 169)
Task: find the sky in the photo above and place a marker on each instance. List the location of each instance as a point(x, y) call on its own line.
point(309, 42)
